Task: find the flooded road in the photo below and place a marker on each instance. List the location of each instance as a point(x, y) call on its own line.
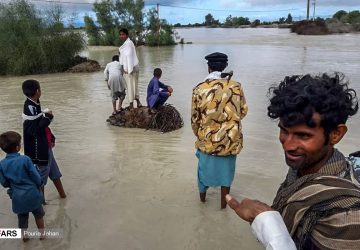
point(136, 189)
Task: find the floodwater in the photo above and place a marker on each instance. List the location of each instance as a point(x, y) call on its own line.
point(136, 189)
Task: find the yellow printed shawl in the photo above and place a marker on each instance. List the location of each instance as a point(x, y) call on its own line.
point(218, 106)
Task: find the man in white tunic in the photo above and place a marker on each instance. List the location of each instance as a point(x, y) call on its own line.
point(130, 67)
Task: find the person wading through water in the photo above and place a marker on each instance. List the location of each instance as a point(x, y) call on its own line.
point(218, 106)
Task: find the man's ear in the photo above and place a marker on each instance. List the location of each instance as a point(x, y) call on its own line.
point(337, 134)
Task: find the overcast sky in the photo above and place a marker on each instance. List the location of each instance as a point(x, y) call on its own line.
point(191, 11)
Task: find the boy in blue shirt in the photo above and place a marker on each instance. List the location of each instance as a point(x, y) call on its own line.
point(18, 173)
point(157, 92)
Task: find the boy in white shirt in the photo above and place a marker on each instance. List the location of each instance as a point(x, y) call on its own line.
point(115, 82)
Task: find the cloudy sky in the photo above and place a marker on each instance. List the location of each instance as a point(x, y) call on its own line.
point(191, 11)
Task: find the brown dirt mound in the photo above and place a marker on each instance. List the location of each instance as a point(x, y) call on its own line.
point(88, 66)
point(164, 119)
point(331, 26)
point(310, 28)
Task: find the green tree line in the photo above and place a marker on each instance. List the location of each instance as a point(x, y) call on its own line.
point(234, 21)
point(32, 42)
point(352, 17)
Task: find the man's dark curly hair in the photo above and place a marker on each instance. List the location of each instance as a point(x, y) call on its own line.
point(297, 97)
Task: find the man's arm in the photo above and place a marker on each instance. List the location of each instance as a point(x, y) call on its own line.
point(156, 88)
point(267, 225)
point(106, 72)
point(195, 114)
point(243, 105)
point(166, 87)
point(3, 181)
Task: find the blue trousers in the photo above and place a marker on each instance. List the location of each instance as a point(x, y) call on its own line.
point(160, 101)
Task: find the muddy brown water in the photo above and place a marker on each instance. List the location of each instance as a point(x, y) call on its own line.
point(136, 189)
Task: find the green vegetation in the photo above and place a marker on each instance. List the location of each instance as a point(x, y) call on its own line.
point(234, 22)
point(352, 17)
point(164, 37)
point(32, 43)
point(113, 15)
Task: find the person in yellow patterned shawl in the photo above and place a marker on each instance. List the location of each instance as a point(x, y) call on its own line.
point(218, 106)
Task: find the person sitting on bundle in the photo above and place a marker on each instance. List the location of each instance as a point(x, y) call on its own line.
point(157, 92)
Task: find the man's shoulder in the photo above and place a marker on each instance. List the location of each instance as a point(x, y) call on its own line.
point(234, 84)
point(207, 84)
point(199, 86)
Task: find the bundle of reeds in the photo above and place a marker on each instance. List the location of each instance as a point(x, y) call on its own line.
point(163, 119)
point(166, 119)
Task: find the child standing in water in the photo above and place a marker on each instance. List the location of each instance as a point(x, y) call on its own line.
point(18, 173)
point(35, 124)
point(115, 82)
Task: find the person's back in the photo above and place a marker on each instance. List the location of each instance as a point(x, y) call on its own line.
point(218, 105)
point(222, 105)
point(24, 182)
point(113, 69)
point(116, 82)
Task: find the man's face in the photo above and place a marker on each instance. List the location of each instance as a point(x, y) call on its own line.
point(123, 36)
point(304, 147)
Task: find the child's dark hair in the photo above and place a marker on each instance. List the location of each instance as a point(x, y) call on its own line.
point(30, 87)
point(296, 99)
point(9, 141)
point(123, 30)
point(157, 72)
point(115, 58)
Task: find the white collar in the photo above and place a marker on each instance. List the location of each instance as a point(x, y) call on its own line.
point(213, 76)
point(33, 101)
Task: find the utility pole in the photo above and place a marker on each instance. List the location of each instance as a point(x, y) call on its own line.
point(308, 10)
point(158, 19)
point(314, 3)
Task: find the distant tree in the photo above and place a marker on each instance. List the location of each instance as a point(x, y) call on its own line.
point(55, 14)
point(256, 23)
point(319, 19)
point(113, 14)
point(229, 21)
point(354, 17)
point(338, 15)
point(241, 21)
point(103, 11)
point(209, 20)
point(92, 31)
point(282, 20)
point(289, 19)
point(130, 15)
point(158, 34)
point(32, 43)
point(177, 25)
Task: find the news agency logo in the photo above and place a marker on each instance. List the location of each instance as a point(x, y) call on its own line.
point(10, 233)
